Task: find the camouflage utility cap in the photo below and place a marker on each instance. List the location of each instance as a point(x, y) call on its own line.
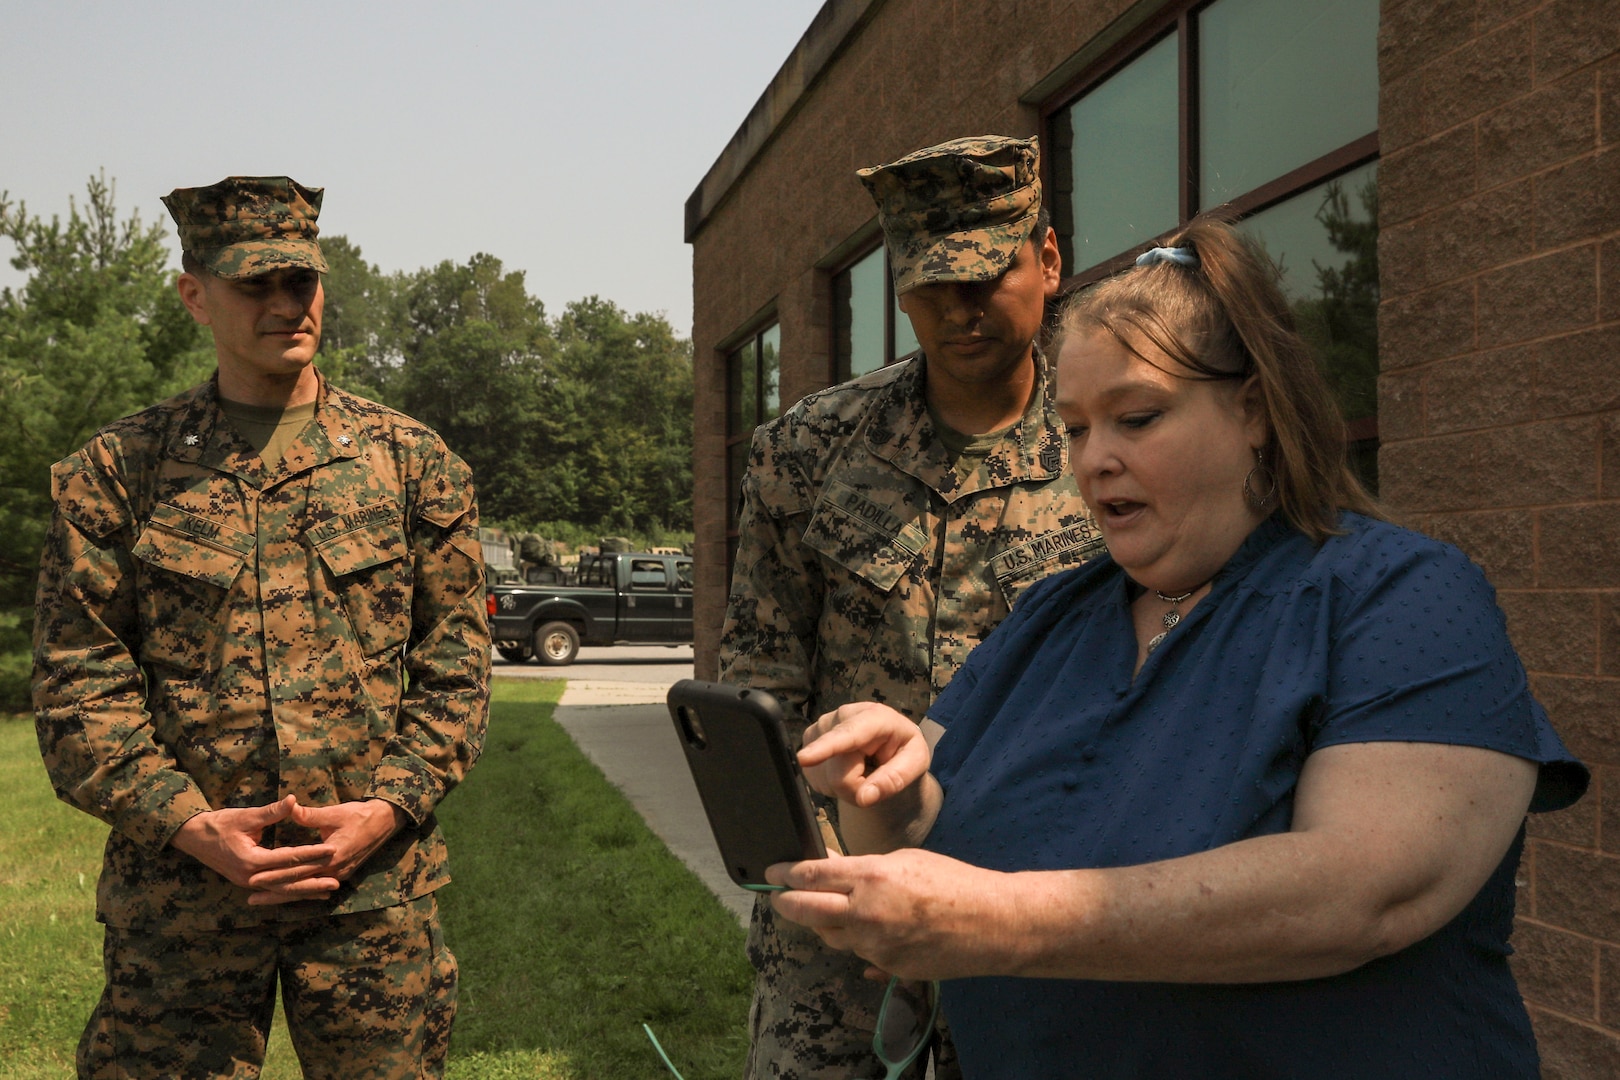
point(959, 211)
point(244, 226)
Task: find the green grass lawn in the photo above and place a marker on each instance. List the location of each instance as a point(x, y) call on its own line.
point(572, 923)
point(50, 945)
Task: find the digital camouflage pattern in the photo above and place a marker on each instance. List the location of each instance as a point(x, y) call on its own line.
point(249, 225)
point(959, 211)
point(867, 569)
point(372, 994)
point(213, 633)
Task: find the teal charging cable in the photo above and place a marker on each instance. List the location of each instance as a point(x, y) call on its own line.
point(661, 1053)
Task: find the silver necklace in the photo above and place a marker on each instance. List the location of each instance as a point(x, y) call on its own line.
point(1171, 617)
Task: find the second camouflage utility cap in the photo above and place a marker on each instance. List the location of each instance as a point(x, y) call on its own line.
point(959, 211)
point(244, 226)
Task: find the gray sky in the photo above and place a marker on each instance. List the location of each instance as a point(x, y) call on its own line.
point(563, 138)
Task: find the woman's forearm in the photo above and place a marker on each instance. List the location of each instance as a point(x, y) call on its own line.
point(1290, 906)
point(1269, 909)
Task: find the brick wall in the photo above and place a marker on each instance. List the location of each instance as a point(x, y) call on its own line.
point(1499, 406)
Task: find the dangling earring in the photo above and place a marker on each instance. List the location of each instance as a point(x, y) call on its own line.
point(1259, 500)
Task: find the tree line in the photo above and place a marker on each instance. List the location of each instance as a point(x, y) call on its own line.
point(584, 418)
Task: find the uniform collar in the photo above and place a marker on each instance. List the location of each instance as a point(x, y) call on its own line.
point(902, 434)
point(202, 436)
point(332, 436)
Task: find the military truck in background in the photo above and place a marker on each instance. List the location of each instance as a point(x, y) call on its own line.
point(526, 556)
point(498, 564)
point(537, 560)
point(613, 598)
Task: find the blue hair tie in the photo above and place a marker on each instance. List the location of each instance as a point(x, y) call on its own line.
point(1182, 255)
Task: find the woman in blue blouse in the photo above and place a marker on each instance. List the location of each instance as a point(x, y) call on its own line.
point(1244, 799)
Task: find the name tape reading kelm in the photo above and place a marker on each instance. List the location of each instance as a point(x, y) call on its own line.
point(172, 519)
point(192, 525)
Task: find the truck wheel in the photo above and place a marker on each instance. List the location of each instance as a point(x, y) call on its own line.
point(556, 644)
point(514, 654)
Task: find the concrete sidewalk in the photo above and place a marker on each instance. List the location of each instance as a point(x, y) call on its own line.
point(625, 729)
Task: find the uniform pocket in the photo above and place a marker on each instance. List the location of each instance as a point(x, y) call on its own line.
point(366, 553)
point(189, 564)
point(869, 538)
point(870, 547)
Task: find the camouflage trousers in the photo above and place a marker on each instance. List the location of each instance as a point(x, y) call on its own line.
point(814, 1010)
point(368, 996)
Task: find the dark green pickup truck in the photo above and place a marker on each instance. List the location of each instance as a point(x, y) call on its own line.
point(620, 598)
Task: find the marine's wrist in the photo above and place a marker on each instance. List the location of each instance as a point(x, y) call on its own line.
point(398, 818)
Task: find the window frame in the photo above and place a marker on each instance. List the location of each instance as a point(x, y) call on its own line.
point(836, 363)
point(753, 334)
point(1181, 18)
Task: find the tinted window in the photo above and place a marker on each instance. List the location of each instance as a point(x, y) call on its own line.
point(1125, 157)
point(648, 574)
point(866, 345)
point(1280, 84)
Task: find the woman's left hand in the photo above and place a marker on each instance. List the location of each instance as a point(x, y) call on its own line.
point(912, 913)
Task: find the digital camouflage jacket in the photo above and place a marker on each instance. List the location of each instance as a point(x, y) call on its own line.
point(867, 568)
point(210, 633)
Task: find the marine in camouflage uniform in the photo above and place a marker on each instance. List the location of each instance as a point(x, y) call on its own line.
point(220, 636)
point(870, 562)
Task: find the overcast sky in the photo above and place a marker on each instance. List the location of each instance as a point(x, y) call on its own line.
point(563, 138)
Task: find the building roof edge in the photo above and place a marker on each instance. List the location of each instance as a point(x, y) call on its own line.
point(833, 28)
point(1124, 24)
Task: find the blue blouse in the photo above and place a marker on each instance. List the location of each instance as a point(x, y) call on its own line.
point(1054, 757)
